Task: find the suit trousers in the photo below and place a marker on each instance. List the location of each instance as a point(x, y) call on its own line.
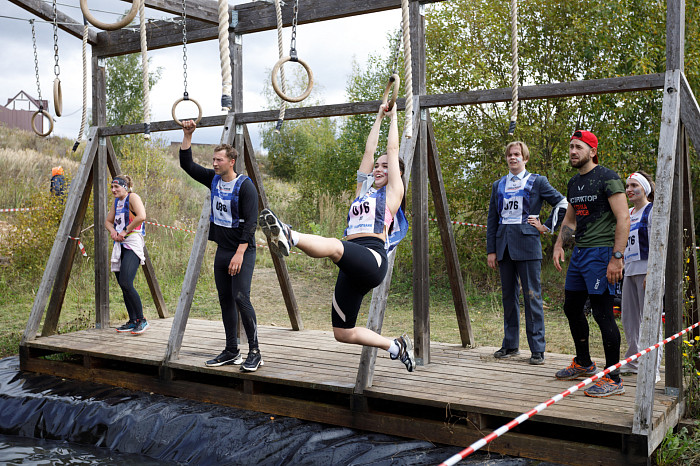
point(515, 274)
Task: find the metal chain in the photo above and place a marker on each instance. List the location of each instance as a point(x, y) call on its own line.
point(56, 68)
point(396, 54)
point(293, 45)
point(36, 65)
point(184, 46)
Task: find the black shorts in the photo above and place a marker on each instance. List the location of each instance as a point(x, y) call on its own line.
point(363, 267)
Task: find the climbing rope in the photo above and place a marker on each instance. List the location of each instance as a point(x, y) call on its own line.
point(408, 74)
point(41, 110)
point(514, 66)
point(106, 26)
point(280, 49)
point(293, 57)
point(394, 80)
point(144, 71)
point(185, 95)
point(57, 93)
point(225, 56)
point(83, 120)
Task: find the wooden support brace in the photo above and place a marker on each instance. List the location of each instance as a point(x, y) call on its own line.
point(692, 292)
point(59, 246)
point(449, 247)
point(658, 246)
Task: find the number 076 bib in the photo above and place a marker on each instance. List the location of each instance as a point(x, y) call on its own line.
point(514, 199)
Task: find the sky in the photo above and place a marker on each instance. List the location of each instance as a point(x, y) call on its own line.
point(329, 47)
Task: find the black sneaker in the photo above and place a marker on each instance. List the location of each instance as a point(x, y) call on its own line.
point(253, 361)
point(278, 233)
point(506, 353)
point(537, 359)
point(405, 352)
point(140, 327)
point(127, 327)
point(226, 357)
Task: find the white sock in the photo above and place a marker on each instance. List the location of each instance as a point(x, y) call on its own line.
point(393, 349)
point(294, 236)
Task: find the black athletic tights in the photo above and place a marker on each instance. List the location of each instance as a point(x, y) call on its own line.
point(602, 308)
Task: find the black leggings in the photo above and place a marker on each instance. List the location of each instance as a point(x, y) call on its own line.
point(130, 263)
point(360, 271)
point(234, 294)
point(602, 309)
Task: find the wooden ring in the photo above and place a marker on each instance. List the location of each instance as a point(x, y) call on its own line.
point(57, 97)
point(395, 82)
point(106, 26)
point(276, 87)
point(46, 114)
point(199, 108)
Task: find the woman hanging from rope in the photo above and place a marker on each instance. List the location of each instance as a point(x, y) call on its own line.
point(376, 223)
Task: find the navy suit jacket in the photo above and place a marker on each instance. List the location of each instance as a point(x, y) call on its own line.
point(523, 240)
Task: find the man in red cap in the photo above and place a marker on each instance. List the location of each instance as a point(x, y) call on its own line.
point(597, 223)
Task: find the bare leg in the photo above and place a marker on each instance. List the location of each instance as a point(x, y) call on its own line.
point(361, 336)
point(320, 246)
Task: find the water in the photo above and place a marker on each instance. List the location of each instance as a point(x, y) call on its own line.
point(47, 420)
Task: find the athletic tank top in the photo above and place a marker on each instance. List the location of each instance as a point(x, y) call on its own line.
point(123, 216)
point(638, 239)
point(369, 213)
point(514, 198)
point(224, 201)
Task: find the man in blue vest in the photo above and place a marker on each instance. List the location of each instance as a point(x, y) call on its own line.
point(233, 219)
point(514, 248)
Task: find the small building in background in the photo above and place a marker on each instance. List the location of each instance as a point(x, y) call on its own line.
point(18, 112)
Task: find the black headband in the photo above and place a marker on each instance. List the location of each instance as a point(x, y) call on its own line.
point(121, 182)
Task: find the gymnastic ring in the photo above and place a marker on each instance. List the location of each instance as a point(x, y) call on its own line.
point(57, 97)
point(276, 87)
point(394, 81)
point(46, 114)
point(106, 26)
point(199, 108)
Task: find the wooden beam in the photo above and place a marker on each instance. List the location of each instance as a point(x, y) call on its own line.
point(59, 246)
point(377, 308)
point(658, 246)
point(44, 11)
point(692, 292)
point(675, 35)
point(544, 91)
point(60, 286)
point(690, 112)
point(101, 254)
point(280, 264)
point(449, 247)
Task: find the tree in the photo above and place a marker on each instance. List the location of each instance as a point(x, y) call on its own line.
point(124, 88)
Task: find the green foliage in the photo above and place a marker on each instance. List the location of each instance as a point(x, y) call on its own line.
point(124, 86)
point(680, 448)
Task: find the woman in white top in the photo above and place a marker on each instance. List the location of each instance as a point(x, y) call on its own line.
point(125, 223)
point(375, 224)
point(640, 192)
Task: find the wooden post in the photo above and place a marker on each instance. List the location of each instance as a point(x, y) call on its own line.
point(673, 300)
point(280, 265)
point(447, 236)
point(658, 247)
point(236, 51)
point(377, 308)
point(692, 293)
point(59, 246)
point(99, 177)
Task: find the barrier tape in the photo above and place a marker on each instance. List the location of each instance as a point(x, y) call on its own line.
point(454, 222)
point(172, 228)
point(23, 209)
point(80, 245)
point(541, 407)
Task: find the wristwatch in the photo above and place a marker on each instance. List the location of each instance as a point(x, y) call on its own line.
point(618, 255)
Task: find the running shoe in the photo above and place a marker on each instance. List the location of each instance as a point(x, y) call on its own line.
point(605, 386)
point(278, 233)
point(506, 353)
point(405, 354)
point(537, 359)
point(140, 327)
point(576, 370)
point(253, 361)
point(226, 357)
point(127, 327)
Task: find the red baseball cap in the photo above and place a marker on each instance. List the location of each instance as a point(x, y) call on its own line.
point(589, 138)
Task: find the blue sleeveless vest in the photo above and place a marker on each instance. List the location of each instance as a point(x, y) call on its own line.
point(122, 217)
point(644, 233)
point(524, 191)
point(225, 203)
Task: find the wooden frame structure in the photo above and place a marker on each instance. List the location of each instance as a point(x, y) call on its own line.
point(673, 214)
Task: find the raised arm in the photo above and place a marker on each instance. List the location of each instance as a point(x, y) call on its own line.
point(395, 188)
point(367, 163)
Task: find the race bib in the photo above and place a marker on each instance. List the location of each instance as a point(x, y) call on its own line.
point(513, 197)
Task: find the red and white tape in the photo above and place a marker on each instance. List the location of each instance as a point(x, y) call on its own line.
point(172, 228)
point(541, 407)
point(22, 209)
point(454, 222)
point(80, 245)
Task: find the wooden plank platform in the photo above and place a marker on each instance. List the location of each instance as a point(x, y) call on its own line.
point(461, 396)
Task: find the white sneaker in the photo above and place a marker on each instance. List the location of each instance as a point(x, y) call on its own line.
point(278, 234)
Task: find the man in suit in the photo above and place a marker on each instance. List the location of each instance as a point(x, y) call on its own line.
point(514, 248)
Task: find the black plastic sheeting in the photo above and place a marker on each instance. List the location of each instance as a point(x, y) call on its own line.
point(175, 430)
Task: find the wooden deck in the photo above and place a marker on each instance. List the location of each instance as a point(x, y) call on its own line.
point(461, 396)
